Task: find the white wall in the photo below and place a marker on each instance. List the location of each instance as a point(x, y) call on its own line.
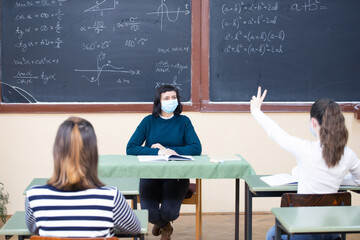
point(26, 148)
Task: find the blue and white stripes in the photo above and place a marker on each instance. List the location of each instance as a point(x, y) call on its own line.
point(88, 213)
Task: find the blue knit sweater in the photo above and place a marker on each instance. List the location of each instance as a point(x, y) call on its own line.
point(176, 133)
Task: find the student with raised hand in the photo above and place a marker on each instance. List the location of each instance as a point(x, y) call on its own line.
point(74, 202)
point(321, 164)
point(164, 132)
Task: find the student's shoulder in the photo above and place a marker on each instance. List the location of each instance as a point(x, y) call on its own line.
point(348, 152)
point(110, 190)
point(39, 189)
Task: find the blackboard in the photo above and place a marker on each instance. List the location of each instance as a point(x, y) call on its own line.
point(94, 51)
point(300, 50)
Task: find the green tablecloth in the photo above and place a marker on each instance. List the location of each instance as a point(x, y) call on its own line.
point(129, 166)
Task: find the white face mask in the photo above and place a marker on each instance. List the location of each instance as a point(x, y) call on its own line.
point(169, 106)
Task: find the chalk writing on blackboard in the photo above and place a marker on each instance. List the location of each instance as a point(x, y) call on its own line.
point(20, 92)
point(102, 6)
point(28, 77)
point(131, 23)
point(94, 50)
point(163, 11)
point(260, 43)
point(101, 68)
point(173, 83)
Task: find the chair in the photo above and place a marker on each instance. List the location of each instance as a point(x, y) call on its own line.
point(304, 200)
point(308, 200)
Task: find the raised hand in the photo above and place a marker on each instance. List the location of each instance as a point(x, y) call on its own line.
point(256, 102)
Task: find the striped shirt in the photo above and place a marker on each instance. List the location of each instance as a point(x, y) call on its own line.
point(88, 213)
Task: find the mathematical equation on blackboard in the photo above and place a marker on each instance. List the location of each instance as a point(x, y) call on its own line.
point(300, 49)
point(106, 43)
point(269, 40)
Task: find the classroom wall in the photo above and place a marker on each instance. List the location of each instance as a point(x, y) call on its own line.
point(26, 149)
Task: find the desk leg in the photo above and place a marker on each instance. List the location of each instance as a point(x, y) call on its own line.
point(237, 210)
point(248, 213)
point(277, 230)
point(198, 210)
point(134, 202)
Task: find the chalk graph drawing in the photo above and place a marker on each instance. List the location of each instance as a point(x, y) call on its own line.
point(18, 93)
point(164, 12)
point(103, 68)
point(104, 5)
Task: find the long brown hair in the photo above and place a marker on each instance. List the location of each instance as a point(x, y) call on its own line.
point(75, 156)
point(333, 132)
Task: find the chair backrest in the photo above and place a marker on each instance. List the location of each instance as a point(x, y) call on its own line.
point(58, 238)
point(303, 200)
point(190, 197)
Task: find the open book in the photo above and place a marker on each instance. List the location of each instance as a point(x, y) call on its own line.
point(155, 158)
point(286, 179)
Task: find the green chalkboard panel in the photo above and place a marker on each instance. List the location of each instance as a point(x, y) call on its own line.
point(94, 51)
point(300, 50)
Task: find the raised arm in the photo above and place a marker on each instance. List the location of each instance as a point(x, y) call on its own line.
point(290, 143)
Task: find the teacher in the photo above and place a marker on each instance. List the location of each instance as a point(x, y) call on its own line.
point(165, 132)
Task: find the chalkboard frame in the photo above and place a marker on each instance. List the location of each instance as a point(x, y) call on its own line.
point(208, 106)
point(192, 105)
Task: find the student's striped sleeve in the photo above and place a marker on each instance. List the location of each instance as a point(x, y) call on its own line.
point(125, 219)
point(30, 218)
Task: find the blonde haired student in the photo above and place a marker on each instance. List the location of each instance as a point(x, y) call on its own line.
point(321, 164)
point(74, 202)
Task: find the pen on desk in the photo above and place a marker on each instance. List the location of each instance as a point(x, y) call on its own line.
point(216, 161)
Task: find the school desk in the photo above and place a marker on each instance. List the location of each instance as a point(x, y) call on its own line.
point(200, 168)
point(129, 187)
point(308, 220)
point(255, 187)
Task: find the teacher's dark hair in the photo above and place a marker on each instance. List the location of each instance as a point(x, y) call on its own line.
point(157, 100)
point(333, 132)
point(75, 156)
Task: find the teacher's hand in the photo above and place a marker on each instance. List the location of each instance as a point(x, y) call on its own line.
point(158, 146)
point(255, 102)
point(167, 151)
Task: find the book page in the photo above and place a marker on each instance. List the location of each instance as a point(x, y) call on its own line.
point(156, 158)
point(151, 158)
point(279, 179)
point(179, 158)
